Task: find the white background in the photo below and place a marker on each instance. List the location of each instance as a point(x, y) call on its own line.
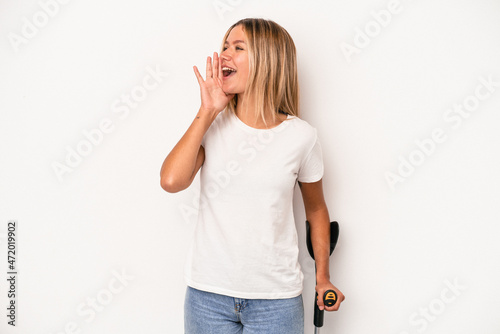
point(398, 246)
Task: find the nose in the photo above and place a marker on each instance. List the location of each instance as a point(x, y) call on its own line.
point(225, 55)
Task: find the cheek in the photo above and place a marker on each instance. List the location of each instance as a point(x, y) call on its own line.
point(243, 65)
point(245, 75)
point(244, 72)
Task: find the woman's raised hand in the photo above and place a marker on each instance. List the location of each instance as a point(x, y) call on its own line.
point(213, 97)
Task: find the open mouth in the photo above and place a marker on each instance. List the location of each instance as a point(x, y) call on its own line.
point(227, 71)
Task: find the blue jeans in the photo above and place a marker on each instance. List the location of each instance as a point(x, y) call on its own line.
point(210, 313)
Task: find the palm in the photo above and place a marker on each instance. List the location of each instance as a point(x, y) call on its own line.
point(212, 96)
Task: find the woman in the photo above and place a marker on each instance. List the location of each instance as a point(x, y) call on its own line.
point(242, 271)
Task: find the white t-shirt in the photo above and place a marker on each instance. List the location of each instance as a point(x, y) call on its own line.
point(245, 241)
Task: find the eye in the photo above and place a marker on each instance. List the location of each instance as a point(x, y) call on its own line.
point(237, 48)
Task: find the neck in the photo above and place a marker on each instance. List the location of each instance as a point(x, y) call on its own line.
point(245, 109)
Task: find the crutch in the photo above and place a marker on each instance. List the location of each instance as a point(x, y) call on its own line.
point(330, 296)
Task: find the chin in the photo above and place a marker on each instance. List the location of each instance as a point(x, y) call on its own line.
point(230, 91)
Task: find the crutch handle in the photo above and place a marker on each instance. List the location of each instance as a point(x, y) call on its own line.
point(329, 299)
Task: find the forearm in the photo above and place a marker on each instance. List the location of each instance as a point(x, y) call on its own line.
point(179, 165)
point(320, 238)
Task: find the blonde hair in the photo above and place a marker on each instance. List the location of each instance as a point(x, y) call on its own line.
point(272, 79)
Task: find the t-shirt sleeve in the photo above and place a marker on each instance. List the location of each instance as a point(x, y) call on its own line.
point(311, 169)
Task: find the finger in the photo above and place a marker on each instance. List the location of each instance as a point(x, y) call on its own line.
point(216, 66)
point(332, 308)
point(336, 306)
point(198, 75)
point(209, 67)
point(220, 68)
point(320, 303)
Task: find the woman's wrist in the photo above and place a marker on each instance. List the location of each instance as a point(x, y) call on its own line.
point(211, 113)
point(207, 113)
point(322, 277)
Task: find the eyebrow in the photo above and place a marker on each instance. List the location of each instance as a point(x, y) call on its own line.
point(237, 41)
